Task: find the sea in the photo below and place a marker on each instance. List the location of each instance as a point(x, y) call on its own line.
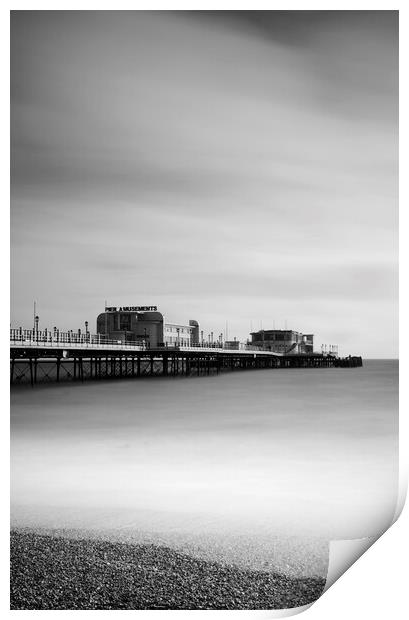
point(261, 468)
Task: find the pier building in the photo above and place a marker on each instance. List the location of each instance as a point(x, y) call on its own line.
point(284, 341)
point(146, 325)
point(131, 324)
point(175, 334)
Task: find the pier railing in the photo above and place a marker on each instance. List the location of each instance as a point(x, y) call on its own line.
point(56, 339)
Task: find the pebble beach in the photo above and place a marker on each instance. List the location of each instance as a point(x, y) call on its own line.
point(52, 572)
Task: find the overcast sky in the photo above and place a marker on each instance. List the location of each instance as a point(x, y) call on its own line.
point(223, 166)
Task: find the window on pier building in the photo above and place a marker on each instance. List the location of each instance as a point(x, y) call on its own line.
point(125, 322)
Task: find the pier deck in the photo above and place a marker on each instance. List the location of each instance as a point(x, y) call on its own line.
point(41, 362)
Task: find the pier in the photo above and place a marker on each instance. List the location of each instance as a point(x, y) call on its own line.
point(41, 358)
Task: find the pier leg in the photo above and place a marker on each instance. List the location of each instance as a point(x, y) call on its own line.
point(12, 371)
point(58, 369)
point(31, 373)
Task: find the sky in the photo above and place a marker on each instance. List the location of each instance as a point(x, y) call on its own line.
point(236, 167)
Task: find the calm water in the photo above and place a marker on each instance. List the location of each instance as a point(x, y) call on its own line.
point(257, 454)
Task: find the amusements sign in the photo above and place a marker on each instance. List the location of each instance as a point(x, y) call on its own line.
point(132, 309)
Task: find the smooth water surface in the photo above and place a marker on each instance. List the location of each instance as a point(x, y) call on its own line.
point(282, 453)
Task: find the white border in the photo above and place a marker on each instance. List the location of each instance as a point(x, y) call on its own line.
point(374, 587)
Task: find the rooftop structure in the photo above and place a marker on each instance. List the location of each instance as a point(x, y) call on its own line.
point(284, 341)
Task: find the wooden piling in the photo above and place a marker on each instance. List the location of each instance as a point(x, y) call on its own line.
point(31, 373)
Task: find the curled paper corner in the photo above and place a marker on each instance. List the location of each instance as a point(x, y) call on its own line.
point(402, 490)
point(343, 554)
